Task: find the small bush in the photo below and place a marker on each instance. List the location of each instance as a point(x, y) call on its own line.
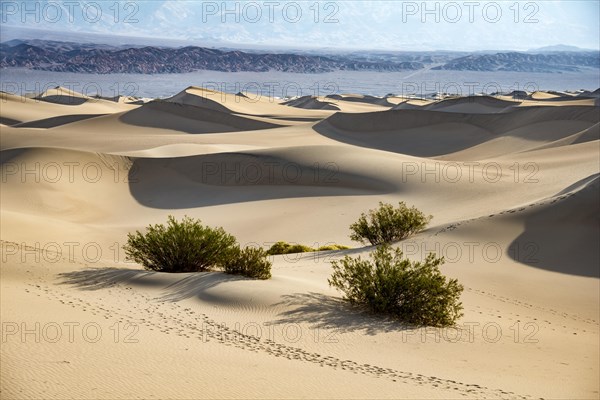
point(278, 248)
point(298, 248)
point(251, 262)
point(287, 248)
point(333, 247)
point(185, 246)
point(388, 224)
point(413, 292)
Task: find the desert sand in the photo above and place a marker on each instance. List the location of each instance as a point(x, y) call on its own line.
point(513, 187)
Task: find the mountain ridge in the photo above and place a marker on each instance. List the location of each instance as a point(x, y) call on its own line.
point(105, 59)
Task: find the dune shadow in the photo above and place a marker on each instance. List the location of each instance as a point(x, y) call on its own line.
point(365, 99)
point(327, 312)
point(226, 178)
point(431, 133)
point(190, 119)
point(66, 100)
point(7, 155)
point(289, 118)
point(9, 121)
point(488, 104)
point(571, 245)
point(311, 103)
point(56, 121)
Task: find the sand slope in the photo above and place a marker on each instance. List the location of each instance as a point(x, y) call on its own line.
point(17, 109)
point(513, 189)
point(310, 103)
point(433, 133)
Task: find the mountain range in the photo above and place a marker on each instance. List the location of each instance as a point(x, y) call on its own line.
point(104, 59)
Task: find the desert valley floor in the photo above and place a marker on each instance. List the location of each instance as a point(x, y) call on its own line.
point(513, 187)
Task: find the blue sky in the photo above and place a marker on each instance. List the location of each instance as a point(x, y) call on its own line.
point(391, 25)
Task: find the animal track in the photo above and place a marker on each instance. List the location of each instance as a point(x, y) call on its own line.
point(550, 200)
point(156, 315)
point(534, 307)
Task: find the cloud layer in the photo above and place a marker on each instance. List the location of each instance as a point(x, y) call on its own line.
point(394, 25)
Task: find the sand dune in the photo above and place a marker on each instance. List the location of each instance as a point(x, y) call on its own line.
point(412, 104)
point(191, 119)
point(61, 95)
point(55, 121)
point(544, 95)
point(577, 214)
point(473, 105)
point(255, 105)
point(531, 137)
point(357, 98)
point(518, 95)
point(513, 187)
point(310, 103)
point(587, 135)
point(20, 109)
point(122, 99)
point(433, 133)
point(551, 98)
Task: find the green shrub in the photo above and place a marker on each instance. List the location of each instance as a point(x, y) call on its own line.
point(333, 247)
point(250, 261)
point(298, 248)
point(413, 292)
point(185, 246)
point(287, 248)
point(278, 248)
point(388, 224)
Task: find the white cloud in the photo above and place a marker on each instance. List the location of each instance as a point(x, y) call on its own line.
point(365, 24)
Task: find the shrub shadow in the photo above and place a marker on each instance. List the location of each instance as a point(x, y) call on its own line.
point(175, 287)
point(195, 285)
point(327, 312)
point(102, 278)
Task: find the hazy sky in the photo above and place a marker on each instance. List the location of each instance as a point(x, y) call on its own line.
point(394, 25)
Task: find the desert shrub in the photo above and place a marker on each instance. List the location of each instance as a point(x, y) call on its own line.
point(250, 261)
point(413, 292)
point(387, 224)
point(333, 247)
point(185, 246)
point(298, 248)
point(287, 248)
point(278, 248)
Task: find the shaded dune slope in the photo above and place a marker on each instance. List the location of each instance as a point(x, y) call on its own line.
point(190, 119)
point(428, 133)
point(473, 105)
point(563, 232)
point(558, 233)
point(311, 103)
point(53, 122)
point(16, 110)
point(223, 178)
point(246, 105)
point(380, 101)
point(98, 179)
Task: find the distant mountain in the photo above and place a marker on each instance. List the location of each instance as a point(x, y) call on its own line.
point(103, 59)
point(558, 48)
point(525, 62)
